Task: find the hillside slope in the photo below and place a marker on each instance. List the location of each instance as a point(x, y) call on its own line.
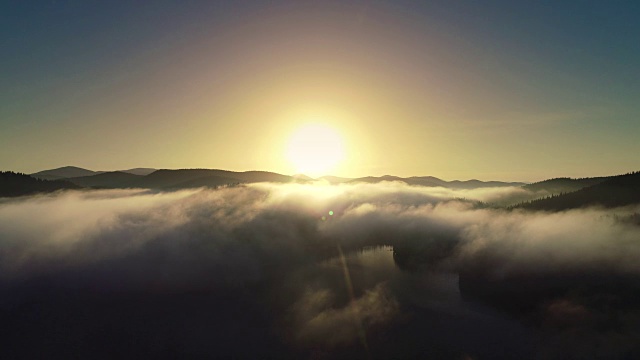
point(113, 180)
point(185, 178)
point(563, 185)
point(63, 173)
point(615, 191)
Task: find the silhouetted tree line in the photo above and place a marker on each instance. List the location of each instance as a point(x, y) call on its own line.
point(536, 201)
point(616, 191)
point(477, 204)
point(564, 184)
point(18, 184)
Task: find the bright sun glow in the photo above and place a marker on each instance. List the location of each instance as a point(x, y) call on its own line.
point(315, 149)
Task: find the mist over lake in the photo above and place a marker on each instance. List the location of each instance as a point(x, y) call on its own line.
point(314, 271)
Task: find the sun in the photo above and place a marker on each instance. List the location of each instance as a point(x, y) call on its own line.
point(315, 149)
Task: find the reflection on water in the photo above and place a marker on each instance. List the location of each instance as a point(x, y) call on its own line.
point(428, 310)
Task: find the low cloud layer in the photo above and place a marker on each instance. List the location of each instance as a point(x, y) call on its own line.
point(257, 270)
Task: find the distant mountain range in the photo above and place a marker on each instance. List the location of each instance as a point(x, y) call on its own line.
point(434, 181)
point(564, 193)
point(186, 178)
point(113, 179)
point(161, 179)
point(63, 173)
point(67, 172)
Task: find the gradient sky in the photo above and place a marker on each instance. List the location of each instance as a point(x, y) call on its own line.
point(499, 90)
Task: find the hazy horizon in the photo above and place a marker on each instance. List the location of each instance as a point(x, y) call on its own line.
point(551, 176)
point(500, 90)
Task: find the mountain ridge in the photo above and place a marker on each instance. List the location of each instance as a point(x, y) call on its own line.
point(432, 181)
point(562, 193)
point(63, 173)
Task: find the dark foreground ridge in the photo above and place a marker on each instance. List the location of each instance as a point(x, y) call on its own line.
point(607, 192)
point(18, 184)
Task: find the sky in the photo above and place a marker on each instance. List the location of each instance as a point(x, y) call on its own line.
point(494, 90)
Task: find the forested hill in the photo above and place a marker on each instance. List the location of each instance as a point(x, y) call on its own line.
point(63, 173)
point(113, 179)
point(564, 185)
point(616, 191)
point(188, 178)
point(18, 184)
